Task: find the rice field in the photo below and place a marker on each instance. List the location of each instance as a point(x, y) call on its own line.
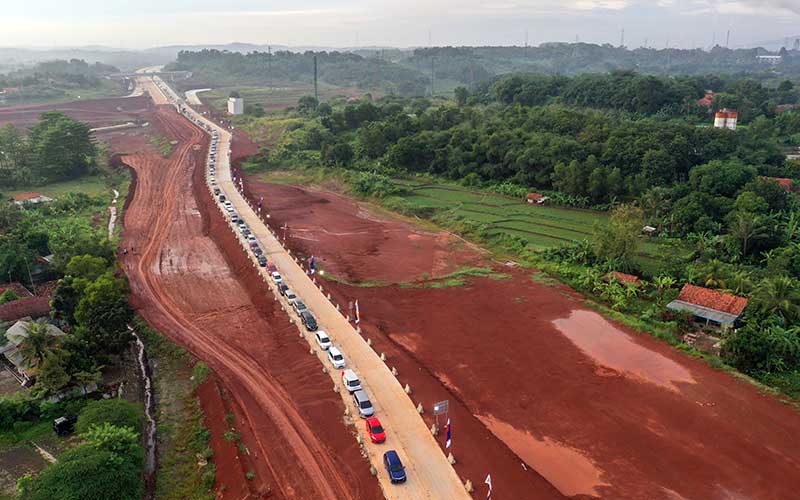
point(541, 226)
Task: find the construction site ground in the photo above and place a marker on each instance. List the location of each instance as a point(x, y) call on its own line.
point(536, 380)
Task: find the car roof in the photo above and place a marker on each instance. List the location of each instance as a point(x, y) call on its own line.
point(334, 350)
point(392, 456)
point(361, 394)
point(307, 314)
point(373, 421)
point(349, 373)
point(320, 333)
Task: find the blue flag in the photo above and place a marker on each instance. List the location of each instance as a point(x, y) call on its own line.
point(312, 265)
point(449, 435)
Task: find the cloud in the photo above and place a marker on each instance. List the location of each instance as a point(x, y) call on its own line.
point(763, 8)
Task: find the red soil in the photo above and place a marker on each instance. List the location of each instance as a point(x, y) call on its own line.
point(96, 112)
point(351, 241)
point(534, 376)
point(202, 293)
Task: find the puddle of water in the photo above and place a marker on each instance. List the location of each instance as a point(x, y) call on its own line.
point(609, 346)
point(567, 469)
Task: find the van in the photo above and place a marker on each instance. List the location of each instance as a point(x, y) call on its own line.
point(364, 405)
point(350, 380)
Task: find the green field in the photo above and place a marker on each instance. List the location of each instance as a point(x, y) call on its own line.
point(91, 185)
point(276, 98)
point(541, 226)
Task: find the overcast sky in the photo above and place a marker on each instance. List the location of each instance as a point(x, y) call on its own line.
point(347, 23)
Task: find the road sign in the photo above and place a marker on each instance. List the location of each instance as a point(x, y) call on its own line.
point(440, 408)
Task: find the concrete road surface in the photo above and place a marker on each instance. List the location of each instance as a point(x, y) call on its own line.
point(430, 476)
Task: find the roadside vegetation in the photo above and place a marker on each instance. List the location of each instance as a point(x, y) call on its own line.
point(162, 144)
point(720, 203)
point(59, 80)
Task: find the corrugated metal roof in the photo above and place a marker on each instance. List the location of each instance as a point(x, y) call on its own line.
point(714, 315)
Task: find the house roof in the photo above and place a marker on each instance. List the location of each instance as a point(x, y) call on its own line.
point(625, 278)
point(536, 196)
point(27, 196)
point(783, 182)
point(714, 305)
point(34, 307)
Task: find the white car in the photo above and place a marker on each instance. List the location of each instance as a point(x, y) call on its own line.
point(336, 357)
point(290, 297)
point(251, 238)
point(350, 380)
point(323, 340)
point(276, 277)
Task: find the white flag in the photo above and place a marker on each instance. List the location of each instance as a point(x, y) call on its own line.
point(489, 483)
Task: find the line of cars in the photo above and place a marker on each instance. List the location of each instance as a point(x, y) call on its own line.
point(350, 380)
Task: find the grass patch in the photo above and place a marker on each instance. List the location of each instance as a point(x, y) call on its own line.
point(162, 144)
point(185, 467)
point(92, 185)
point(23, 432)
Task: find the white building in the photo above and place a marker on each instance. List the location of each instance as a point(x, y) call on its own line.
point(235, 106)
point(770, 59)
point(726, 118)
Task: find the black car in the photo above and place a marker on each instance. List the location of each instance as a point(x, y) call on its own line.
point(282, 288)
point(308, 319)
point(262, 261)
point(216, 191)
point(259, 253)
point(222, 198)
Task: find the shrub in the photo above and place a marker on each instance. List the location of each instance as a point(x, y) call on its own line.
point(117, 412)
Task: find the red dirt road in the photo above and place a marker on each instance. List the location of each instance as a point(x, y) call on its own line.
point(202, 293)
point(534, 376)
point(95, 112)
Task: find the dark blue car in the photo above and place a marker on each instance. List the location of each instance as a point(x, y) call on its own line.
point(397, 473)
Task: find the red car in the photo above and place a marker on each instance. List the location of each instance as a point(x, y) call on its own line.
point(272, 267)
point(375, 430)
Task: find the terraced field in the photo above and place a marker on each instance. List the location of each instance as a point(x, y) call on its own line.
point(541, 226)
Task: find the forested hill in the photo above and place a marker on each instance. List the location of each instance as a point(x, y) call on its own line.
point(470, 65)
point(342, 69)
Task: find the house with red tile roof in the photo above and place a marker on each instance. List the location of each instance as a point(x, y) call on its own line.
point(783, 182)
point(625, 279)
point(713, 306)
point(537, 198)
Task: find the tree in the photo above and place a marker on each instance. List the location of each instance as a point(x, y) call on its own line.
point(66, 298)
point(117, 412)
point(619, 240)
point(8, 296)
point(88, 267)
point(778, 295)
point(123, 442)
point(62, 147)
point(51, 375)
point(461, 95)
point(755, 350)
point(306, 104)
point(746, 227)
point(37, 344)
point(103, 315)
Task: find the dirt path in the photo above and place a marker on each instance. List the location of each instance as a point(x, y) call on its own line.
point(191, 288)
point(595, 408)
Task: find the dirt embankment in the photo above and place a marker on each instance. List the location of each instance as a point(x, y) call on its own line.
point(536, 378)
point(201, 292)
point(355, 243)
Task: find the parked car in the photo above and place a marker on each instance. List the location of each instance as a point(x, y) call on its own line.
point(271, 267)
point(253, 244)
point(234, 217)
point(362, 402)
point(290, 296)
point(299, 306)
point(222, 198)
point(262, 261)
point(323, 340)
point(375, 430)
point(258, 252)
point(216, 191)
point(350, 380)
point(309, 321)
point(251, 237)
point(336, 357)
point(282, 288)
point(276, 277)
point(395, 468)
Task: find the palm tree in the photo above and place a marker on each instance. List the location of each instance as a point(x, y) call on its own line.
point(740, 282)
point(38, 343)
point(712, 274)
point(778, 295)
point(747, 227)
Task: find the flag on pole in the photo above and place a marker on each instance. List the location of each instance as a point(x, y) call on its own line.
point(489, 483)
point(358, 314)
point(312, 265)
point(449, 435)
point(260, 202)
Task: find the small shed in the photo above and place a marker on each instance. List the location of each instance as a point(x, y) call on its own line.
point(31, 198)
point(649, 230)
point(712, 306)
point(623, 278)
point(537, 198)
point(783, 182)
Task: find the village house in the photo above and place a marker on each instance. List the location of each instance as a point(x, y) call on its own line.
point(537, 198)
point(9, 352)
point(713, 307)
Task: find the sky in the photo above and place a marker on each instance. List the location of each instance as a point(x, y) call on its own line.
point(398, 23)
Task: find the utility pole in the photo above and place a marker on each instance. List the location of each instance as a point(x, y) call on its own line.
point(622, 38)
point(432, 76)
point(316, 86)
point(269, 65)
point(728, 39)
